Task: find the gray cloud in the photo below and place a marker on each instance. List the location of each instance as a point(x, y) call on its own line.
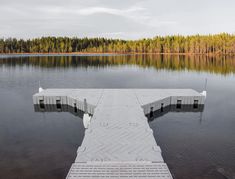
point(130, 19)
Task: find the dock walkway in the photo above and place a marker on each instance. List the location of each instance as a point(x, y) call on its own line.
point(118, 142)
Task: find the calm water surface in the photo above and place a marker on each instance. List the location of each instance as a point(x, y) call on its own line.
point(43, 145)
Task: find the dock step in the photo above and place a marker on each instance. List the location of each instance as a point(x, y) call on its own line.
point(124, 170)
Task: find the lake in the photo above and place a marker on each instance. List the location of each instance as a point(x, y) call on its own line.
point(43, 145)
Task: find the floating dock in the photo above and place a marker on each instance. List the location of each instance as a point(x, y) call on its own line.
point(118, 141)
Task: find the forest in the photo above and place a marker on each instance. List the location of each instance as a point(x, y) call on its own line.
point(223, 43)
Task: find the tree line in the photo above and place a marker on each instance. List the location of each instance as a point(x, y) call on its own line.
point(223, 43)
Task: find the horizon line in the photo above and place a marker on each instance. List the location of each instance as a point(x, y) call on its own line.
point(110, 38)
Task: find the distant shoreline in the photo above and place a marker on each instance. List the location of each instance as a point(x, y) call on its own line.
point(109, 53)
point(210, 45)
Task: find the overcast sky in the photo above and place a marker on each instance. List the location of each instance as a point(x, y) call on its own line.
point(128, 19)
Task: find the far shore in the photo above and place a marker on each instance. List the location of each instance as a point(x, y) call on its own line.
point(114, 53)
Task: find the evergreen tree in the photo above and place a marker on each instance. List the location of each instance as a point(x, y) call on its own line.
point(197, 44)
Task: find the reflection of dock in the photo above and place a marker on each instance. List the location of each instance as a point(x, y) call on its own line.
point(54, 108)
point(118, 142)
point(173, 108)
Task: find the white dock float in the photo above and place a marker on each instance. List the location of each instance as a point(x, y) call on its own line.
point(119, 142)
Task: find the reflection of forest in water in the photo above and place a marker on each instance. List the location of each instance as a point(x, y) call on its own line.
point(216, 64)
